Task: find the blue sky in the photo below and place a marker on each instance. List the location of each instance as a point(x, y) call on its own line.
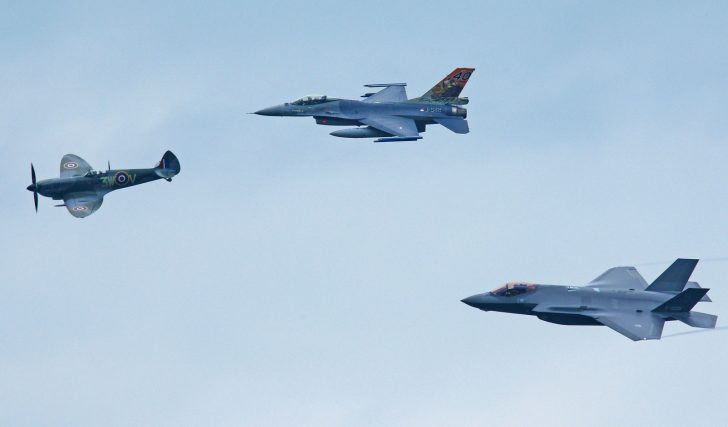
point(287, 277)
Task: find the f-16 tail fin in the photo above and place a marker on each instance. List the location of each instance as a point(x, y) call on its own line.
point(682, 302)
point(675, 277)
point(447, 91)
point(168, 167)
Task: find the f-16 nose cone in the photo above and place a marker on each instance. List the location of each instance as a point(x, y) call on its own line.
point(270, 111)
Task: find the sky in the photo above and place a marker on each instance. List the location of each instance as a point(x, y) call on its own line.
point(287, 277)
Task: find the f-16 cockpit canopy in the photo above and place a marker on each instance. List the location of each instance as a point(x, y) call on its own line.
point(514, 288)
point(312, 100)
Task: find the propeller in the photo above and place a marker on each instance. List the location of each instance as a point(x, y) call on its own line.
point(35, 191)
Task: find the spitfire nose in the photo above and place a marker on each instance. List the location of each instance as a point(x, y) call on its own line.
point(270, 111)
point(31, 187)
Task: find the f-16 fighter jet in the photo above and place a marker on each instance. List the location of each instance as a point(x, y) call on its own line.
point(82, 189)
point(619, 298)
point(387, 115)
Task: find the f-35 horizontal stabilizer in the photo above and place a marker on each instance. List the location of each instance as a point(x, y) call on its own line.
point(696, 319)
point(398, 139)
point(682, 302)
point(675, 277)
point(695, 285)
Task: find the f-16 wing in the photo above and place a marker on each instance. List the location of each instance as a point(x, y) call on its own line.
point(401, 128)
point(392, 92)
point(72, 165)
point(635, 326)
point(82, 205)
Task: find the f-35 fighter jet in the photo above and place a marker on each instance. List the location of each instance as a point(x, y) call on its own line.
point(82, 189)
point(387, 115)
point(619, 299)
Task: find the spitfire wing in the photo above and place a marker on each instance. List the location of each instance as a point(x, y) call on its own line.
point(635, 326)
point(397, 126)
point(82, 205)
point(389, 94)
point(619, 277)
point(72, 165)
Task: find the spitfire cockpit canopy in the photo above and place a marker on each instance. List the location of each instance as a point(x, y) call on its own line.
point(311, 100)
point(514, 288)
point(92, 173)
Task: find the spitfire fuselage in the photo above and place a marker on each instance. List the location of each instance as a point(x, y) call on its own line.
point(100, 182)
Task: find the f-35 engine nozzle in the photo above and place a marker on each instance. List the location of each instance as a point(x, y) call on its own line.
point(366, 132)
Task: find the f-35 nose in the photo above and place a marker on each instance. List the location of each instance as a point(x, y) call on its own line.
point(270, 111)
point(474, 301)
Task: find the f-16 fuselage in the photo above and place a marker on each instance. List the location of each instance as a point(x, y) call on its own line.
point(388, 114)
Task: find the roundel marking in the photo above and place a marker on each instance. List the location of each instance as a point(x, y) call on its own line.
point(70, 165)
point(121, 178)
point(80, 208)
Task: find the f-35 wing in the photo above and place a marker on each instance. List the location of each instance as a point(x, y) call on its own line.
point(635, 326)
point(619, 277)
point(392, 92)
point(401, 128)
point(72, 165)
point(82, 205)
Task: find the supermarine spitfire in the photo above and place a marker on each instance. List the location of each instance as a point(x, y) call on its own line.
point(82, 189)
point(386, 115)
point(619, 299)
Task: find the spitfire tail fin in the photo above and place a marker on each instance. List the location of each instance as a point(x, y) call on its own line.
point(675, 277)
point(682, 302)
point(168, 167)
point(447, 91)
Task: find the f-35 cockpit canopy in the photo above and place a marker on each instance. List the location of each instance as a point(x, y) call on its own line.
point(312, 100)
point(513, 289)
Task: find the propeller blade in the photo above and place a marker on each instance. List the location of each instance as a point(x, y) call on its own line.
point(35, 199)
point(32, 173)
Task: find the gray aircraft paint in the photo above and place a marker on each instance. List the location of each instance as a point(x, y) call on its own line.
point(83, 189)
point(387, 115)
point(618, 298)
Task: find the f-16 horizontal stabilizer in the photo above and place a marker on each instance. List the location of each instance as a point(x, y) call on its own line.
point(675, 277)
point(682, 302)
point(455, 125)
